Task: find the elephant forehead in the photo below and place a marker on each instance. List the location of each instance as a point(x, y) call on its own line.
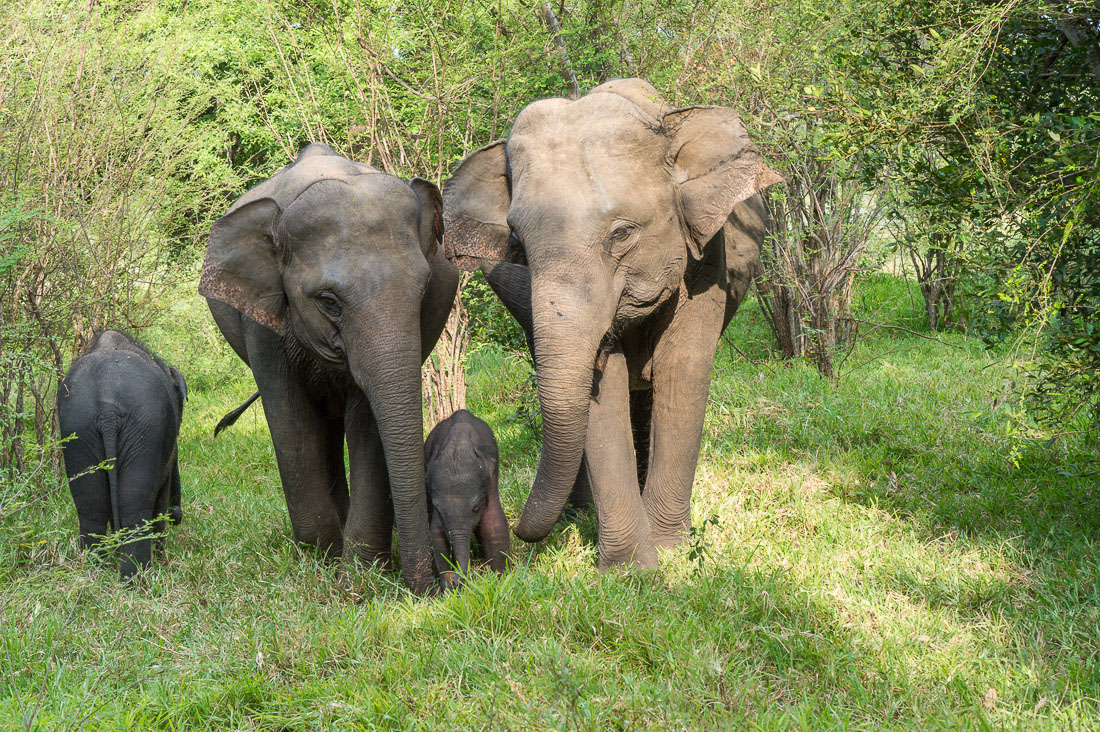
point(367, 211)
point(611, 167)
point(603, 145)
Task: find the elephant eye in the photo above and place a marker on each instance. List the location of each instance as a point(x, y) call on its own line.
point(330, 304)
point(620, 233)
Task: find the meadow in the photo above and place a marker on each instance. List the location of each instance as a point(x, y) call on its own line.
point(893, 549)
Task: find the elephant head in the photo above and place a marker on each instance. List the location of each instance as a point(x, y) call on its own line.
point(609, 199)
point(335, 256)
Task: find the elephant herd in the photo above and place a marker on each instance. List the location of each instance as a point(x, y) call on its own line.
point(621, 234)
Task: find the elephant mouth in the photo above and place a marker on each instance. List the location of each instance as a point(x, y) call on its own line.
point(610, 340)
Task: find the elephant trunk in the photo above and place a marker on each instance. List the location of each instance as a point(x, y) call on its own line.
point(387, 369)
point(568, 331)
point(460, 549)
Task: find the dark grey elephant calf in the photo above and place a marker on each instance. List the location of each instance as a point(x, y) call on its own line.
point(124, 405)
point(462, 471)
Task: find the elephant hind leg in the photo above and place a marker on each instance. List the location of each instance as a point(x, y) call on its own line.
point(141, 492)
point(90, 489)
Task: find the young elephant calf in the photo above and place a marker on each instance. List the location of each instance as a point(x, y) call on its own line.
point(124, 406)
point(462, 469)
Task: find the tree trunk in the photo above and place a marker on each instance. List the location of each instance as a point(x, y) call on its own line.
point(445, 370)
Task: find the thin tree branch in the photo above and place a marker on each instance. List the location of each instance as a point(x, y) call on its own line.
point(547, 14)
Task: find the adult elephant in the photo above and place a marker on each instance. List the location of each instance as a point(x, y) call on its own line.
point(325, 280)
point(626, 233)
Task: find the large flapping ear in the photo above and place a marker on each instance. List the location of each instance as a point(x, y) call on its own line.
point(475, 208)
point(714, 165)
point(431, 216)
point(242, 267)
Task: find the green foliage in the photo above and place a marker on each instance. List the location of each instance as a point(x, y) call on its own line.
point(490, 322)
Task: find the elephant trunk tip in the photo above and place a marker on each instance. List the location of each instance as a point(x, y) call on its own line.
point(532, 525)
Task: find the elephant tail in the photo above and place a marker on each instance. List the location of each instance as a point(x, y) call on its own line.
point(109, 431)
point(229, 419)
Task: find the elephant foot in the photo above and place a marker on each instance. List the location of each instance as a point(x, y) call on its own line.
point(329, 543)
point(667, 539)
point(639, 556)
point(449, 581)
point(367, 556)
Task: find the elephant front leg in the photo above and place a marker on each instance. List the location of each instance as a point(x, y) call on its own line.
point(682, 364)
point(368, 532)
point(624, 532)
point(300, 435)
point(493, 533)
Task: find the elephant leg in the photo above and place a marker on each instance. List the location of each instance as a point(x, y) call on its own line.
point(641, 417)
point(682, 364)
point(580, 498)
point(493, 533)
point(140, 487)
point(90, 490)
point(175, 509)
point(337, 475)
point(161, 508)
point(612, 472)
point(300, 435)
point(368, 531)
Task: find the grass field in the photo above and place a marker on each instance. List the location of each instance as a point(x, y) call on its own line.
point(885, 551)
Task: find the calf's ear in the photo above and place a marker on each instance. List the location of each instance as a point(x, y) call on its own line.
point(715, 166)
point(179, 382)
point(475, 208)
point(242, 266)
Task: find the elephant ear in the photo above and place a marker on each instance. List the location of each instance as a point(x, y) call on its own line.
point(475, 208)
point(714, 165)
point(431, 216)
point(179, 382)
point(242, 267)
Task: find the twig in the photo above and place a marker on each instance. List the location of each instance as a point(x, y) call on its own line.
point(551, 21)
point(912, 332)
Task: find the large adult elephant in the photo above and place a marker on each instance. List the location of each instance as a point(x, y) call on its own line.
point(325, 280)
point(625, 233)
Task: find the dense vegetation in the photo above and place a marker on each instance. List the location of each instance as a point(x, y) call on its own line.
point(896, 507)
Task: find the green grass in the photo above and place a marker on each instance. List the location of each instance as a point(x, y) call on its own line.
point(885, 551)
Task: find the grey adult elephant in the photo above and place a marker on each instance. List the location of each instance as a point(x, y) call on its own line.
point(325, 280)
point(626, 233)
